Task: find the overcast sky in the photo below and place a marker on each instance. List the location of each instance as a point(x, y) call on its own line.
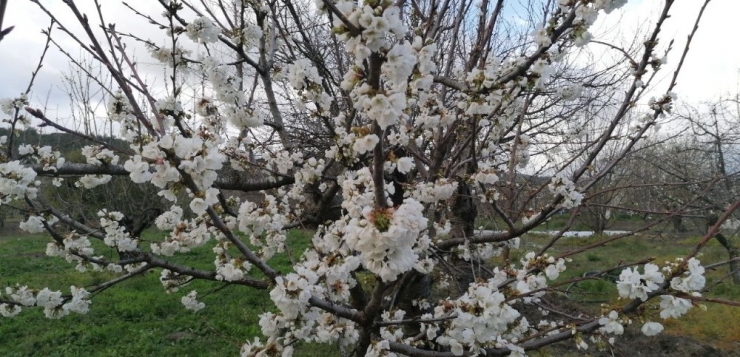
point(711, 68)
point(712, 65)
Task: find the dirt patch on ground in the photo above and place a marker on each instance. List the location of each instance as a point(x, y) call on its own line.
point(634, 343)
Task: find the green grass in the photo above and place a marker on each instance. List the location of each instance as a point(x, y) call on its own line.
point(716, 326)
point(136, 317)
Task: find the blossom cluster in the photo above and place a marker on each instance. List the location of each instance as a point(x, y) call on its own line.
point(191, 303)
point(202, 30)
point(482, 252)
point(306, 80)
point(9, 106)
point(483, 319)
point(172, 281)
point(184, 234)
point(54, 304)
point(167, 56)
point(551, 266)
point(635, 285)
point(75, 248)
point(50, 159)
point(586, 15)
point(561, 185)
point(227, 91)
point(263, 225)
point(116, 234)
point(437, 191)
point(99, 155)
point(318, 275)
point(172, 153)
point(90, 181)
point(17, 181)
point(120, 111)
point(664, 104)
point(389, 240)
point(36, 224)
point(249, 36)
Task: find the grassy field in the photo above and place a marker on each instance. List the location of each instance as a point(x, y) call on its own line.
point(137, 318)
point(717, 326)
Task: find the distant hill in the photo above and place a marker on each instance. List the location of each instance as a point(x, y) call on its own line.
point(63, 142)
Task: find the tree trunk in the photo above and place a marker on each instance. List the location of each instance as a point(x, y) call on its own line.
point(601, 223)
point(678, 225)
point(413, 288)
point(462, 219)
point(733, 254)
point(731, 250)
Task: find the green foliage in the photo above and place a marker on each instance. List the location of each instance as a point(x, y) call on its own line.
point(598, 290)
point(591, 257)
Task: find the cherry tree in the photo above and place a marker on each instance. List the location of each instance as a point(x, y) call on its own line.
point(385, 127)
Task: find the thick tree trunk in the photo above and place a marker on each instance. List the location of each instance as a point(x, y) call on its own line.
point(462, 219)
